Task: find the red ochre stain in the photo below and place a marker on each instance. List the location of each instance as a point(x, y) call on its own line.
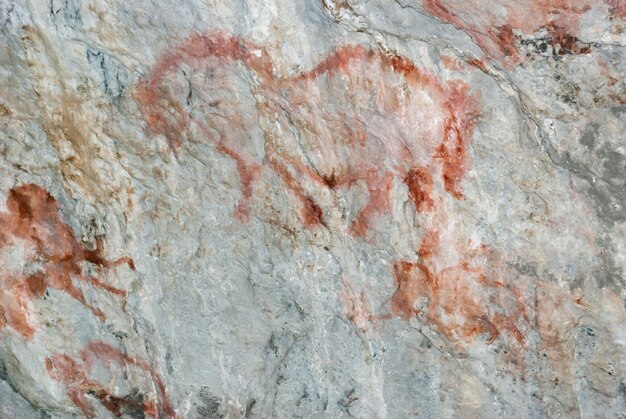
point(32, 222)
point(430, 245)
point(505, 39)
point(568, 44)
point(617, 8)
point(74, 374)
point(379, 192)
point(420, 184)
point(204, 53)
point(460, 302)
point(493, 26)
point(310, 213)
point(357, 310)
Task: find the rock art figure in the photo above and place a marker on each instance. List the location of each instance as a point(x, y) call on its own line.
point(358, 117)
point(41, 252)
point(498, 27)
point(75, 374)
point(461, 302)
point(458, 287)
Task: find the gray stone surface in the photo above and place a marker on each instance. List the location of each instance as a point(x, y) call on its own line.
point(329, 208)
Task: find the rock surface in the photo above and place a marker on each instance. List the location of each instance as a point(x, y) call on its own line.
point(331, 208)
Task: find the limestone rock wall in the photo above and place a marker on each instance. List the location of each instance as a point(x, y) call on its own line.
point(330, 208)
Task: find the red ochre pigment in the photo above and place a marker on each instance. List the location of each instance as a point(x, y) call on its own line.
point(74, 374)
point(351, 151)
point(495, 32)
point(426, 127)
point(32, 222)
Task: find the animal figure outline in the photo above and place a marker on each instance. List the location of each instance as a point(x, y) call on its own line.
point(315, 137)
point(349, 150)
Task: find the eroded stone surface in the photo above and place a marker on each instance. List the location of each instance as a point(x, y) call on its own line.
point(320, 209)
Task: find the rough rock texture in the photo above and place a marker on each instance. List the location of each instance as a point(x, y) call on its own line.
point(324, 208)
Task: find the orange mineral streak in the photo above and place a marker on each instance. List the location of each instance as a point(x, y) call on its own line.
point(74, 374)
point(492, 25)
point(360, 117)
point(53, 257)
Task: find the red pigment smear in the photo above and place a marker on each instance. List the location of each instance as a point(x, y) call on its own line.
point(357, 311)
point(568, 44)
point(247, 170)
point(379, 194)
point(166, 116)
point(617, 8)
point(310, 213)
point(494, 32)
point(450, 63)
point(505, 39)
point(479, 64)
point(420, 184)
point(606, 72)
point(458, 128)
point(194, 51)
point(339, 61)
point(490, 44)
point(74, 374)
point(407, 290)
point(460, 302)
point(32, 222)
point(430, 245)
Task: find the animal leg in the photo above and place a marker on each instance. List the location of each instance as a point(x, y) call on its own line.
point(378, 202)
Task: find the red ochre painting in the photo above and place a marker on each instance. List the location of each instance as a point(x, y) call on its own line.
point(74, 373)
point(357, 117)
point(499, 27)
point(52, 257)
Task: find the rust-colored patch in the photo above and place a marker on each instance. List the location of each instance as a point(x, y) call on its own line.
point(492, 26)
point(479, 64)
point(310, 213)
point(420, 184)
point(74, 374)
point(378, 201)
point(342, 146)
point(456, 131)
point(450, 63)
point(407, 291)
point(33, 227)
point(617, 8)
point(460, 289)
point(430, 245)
point(506, 41)
point(460, 301)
